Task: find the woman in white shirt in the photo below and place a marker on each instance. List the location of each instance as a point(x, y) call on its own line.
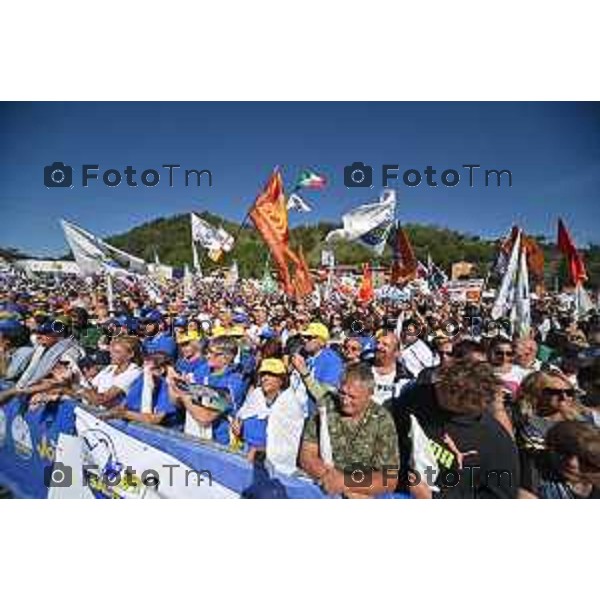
point(111, 384)
point(271, 419)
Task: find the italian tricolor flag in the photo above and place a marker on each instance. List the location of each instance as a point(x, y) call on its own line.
point(310, 179)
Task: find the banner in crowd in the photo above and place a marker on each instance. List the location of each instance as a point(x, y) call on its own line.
point(64, 451)
point(32, 266)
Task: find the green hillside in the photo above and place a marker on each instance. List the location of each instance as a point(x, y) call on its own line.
point(170, 237)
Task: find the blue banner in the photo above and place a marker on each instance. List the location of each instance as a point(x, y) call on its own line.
point(28, 442)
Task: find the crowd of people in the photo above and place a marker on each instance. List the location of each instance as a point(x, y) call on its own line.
point(428, 398)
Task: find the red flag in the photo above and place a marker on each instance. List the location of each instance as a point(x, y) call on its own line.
point(404, 262)
point(574, 261)
point(366, 292)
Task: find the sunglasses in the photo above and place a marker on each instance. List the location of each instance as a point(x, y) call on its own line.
point(555, 392)
point(500, 353)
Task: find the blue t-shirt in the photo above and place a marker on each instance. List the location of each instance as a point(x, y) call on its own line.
point(327, 367)
point(160, 397)
point(198, 367)
point(161, 342)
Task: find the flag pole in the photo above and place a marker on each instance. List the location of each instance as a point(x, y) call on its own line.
point(110, 294)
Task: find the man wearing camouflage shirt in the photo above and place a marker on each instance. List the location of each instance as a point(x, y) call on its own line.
point(350, 446)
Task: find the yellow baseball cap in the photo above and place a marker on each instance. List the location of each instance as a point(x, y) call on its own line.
point(236, 331)
point(272, 365)
point(191, 336)
point(317, 330)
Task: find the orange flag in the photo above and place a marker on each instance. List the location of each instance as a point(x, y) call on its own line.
point(574, 261)
point(303, 281)
point(366, 292)
point(270, 217)
point(404, 261)
point(535, 255)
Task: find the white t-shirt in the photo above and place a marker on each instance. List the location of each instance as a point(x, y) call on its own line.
point(195, 429)
point(385, 386)
point(107, 378)
point(285, 423)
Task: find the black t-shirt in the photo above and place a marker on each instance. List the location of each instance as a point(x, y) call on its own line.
point(489, 465)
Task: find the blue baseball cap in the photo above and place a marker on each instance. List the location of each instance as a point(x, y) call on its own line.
point(9, 325)
point(267, 334)
point(50, 328)
point(180, 322)
point(152, 316)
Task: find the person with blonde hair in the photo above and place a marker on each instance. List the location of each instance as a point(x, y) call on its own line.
point(544, 399)
point(112, 383)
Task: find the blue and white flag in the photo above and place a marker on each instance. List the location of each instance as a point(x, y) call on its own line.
point(369, 224)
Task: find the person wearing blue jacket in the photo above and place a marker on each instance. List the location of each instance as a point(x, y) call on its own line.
point(325, 364)
point(156, 338)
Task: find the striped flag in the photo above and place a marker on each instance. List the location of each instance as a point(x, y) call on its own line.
point(309, 179)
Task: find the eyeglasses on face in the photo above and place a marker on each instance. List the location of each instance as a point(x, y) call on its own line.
point(502, 353)
point(559, 392)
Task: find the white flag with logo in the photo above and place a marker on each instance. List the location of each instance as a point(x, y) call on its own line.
point(506, 296)
point(522, 326)
point(366, 218)
point(210, 237)
point(297, 203)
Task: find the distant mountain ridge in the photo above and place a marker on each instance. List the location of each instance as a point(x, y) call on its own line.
point(170, 238)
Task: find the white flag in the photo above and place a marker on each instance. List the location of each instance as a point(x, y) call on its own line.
point(209, 237)
point(295, 202)
point(233, 275)
point(365, 219)
point(583, 302)
point(505, 299)
point(327, 258)
point(522, 325)
point(93, 254)
point(188, 284)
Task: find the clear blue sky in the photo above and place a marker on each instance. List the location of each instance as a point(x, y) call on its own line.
point(552, 149)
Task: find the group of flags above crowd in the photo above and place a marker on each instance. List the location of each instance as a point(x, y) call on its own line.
point(372, 225)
